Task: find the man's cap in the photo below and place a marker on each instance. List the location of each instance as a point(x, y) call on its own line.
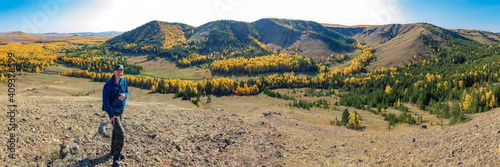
point(118, 67)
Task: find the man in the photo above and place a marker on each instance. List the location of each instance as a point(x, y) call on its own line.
point(114, 98)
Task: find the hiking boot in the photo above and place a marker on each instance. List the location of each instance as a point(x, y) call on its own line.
point(122, 157)
point(116, 164)
point(116, 159)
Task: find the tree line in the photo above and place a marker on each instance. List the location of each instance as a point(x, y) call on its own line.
point(281, 62)
point(30, 57)
point(96, 58)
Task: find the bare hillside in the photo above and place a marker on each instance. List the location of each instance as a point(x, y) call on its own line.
point(396, 43)
point(480, 36)
point(17, 35)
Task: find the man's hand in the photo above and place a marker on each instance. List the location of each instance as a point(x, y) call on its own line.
point(112, 120)
point(121, 97)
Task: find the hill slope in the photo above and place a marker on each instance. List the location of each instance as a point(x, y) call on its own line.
point(152, 36)
point(308, 38)
point(396, 44)
point(225, 33)
point(18, 35)
point(480, 36)
point(225, 36)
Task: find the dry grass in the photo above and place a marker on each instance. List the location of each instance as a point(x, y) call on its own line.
point(165, 69)
point(229, 131)
point(58, 68)
point(480, 36)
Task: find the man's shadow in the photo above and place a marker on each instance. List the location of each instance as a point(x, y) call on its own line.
point(92, 162)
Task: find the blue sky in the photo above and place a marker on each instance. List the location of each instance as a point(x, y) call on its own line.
point(41, 16)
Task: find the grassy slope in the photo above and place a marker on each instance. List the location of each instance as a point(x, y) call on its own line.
point(164, 69)
point(58, 68)
point(394, 44)
point(52, 117)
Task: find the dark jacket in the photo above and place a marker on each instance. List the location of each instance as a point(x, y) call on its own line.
point(110, 102)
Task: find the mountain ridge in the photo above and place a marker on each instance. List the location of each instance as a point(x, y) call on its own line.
point(394, 44)
point(229, 36)
point(160, 34)
point(15, 35)
point(221, 34)
point(310, 38)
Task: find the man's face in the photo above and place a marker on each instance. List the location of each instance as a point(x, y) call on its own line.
point(118, 73)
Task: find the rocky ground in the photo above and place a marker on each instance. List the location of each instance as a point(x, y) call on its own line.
point(71, 131)
point(64, 130)
point(53, 133)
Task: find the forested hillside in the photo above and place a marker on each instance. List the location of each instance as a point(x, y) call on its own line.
point(225, 39)
point(152, 37)
point(289, 35)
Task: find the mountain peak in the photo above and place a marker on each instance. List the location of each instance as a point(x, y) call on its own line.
point(396, 44)
point(18, 35)
point(268, 33)
point(154, 35)
point(302, 35)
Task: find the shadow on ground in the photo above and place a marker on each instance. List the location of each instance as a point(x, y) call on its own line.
point(92, 162)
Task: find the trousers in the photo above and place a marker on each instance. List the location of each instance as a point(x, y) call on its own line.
point(118, 137)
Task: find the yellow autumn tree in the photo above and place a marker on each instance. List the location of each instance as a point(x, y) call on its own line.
point(2, 77)
point(153, 88)
point(354, 120)
point(37, 69)
point(493, 102)
point(388, 89)
point(490, 99)
point(398, 103)
point(460, 84)
point(467, 102)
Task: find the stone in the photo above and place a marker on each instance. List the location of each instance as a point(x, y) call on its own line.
point(63, 151)
point(74, 150)
point(78, 140)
